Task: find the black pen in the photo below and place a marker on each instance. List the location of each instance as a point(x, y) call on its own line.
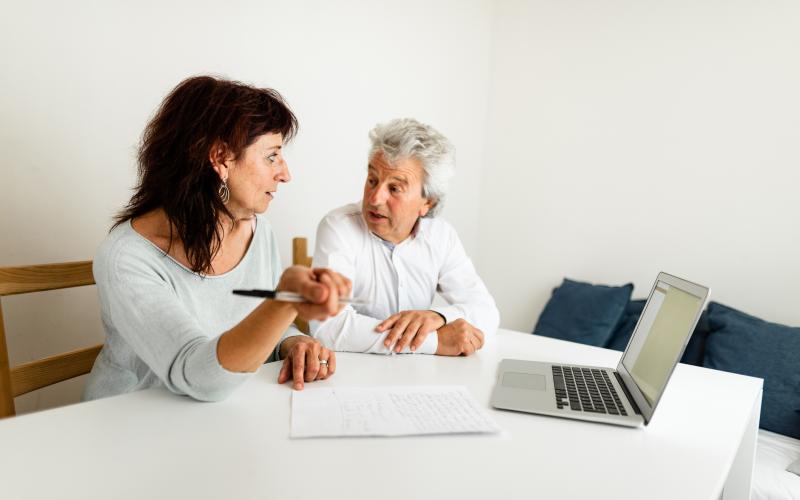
point(291, 296)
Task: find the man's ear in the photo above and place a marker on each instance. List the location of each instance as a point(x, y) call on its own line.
point(427, 207)
point(218, 156)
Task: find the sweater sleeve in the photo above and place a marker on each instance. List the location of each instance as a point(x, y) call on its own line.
point(148, 315)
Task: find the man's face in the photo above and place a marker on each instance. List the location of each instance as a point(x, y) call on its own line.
point(393, 198)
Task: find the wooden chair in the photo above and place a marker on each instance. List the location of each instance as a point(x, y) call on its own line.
point(300, 257)
point(27, 377)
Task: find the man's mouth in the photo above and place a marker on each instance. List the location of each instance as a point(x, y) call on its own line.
point(376, 215)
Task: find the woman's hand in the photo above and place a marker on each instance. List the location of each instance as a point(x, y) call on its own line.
point(244, 347)
point(304, 359)
point(321, 287)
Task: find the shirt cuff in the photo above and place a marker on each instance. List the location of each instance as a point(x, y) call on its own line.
point(430, 345)
point(451, 313)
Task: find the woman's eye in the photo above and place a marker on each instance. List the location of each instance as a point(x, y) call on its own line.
point(273, 157)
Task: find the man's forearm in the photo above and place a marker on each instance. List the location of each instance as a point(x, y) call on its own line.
point(350, 331)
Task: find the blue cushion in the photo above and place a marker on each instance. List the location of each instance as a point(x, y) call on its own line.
point(619, 339)
point(693, 355)
point(696, 348)
point(747, 345)
point(582, 312)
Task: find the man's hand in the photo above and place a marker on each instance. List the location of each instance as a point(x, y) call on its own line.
point(302, 357)
point(459, 338)
point(409, 327)
point(321, 287)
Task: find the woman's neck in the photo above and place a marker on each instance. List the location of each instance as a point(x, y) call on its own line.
point(234, 242)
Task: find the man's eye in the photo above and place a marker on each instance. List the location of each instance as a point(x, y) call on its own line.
point(372, 182)
point(394, 189)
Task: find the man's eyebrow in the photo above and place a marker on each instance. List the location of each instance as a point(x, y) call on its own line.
point(400, 179)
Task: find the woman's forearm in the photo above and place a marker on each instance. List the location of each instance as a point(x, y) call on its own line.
point(247, 345)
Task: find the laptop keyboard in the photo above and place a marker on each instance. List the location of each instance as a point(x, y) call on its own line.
point(586, 389)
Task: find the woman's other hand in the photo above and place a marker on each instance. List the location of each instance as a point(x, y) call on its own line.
point(321, 287)
point(305, 360)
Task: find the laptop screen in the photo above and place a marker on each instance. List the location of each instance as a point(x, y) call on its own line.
point(660, 336)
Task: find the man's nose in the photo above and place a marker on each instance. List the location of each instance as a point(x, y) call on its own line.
point(378, 195)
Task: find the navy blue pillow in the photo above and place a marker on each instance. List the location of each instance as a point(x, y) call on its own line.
point(693, 355)
point(582, 312)
point(696, 348)
point(621, 336)
point(741, 343)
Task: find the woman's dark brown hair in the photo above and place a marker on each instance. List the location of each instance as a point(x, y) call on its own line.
point(175, 172)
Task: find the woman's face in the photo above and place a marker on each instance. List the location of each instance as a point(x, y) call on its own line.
point(253, 178)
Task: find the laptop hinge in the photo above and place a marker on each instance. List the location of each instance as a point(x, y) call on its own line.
point(627, 394)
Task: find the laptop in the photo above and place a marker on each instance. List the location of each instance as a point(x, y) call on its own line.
point(627, 395)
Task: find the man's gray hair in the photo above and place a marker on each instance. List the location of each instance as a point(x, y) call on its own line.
point(405, 138)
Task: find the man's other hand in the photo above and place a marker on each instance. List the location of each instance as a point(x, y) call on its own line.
point(459, 338)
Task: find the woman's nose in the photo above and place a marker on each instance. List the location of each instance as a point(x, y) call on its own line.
point(284, 175)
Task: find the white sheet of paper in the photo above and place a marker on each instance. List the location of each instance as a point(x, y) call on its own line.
point(387, 411)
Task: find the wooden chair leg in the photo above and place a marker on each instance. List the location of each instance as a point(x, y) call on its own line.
point(6, 399)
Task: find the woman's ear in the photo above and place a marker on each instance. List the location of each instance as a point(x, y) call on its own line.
point(218, 156)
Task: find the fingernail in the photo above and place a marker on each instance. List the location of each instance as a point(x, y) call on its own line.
point(413, 348)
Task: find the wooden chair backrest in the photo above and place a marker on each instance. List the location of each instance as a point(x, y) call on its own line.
point(27, 377)
point(300, 257)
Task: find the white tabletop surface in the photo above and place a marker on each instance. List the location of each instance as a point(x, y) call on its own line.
point(152, 444)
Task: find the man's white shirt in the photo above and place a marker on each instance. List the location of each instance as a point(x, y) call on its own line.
point(394, 278)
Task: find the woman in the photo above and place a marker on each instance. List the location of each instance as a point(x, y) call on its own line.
point(210, 161)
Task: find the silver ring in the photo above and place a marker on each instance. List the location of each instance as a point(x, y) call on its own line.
point(323, 362)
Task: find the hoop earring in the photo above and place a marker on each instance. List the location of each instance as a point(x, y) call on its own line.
point(224, 193)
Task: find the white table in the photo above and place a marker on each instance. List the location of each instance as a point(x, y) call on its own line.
point(152, 444)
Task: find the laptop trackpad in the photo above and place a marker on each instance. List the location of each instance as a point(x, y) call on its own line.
point(524, 381)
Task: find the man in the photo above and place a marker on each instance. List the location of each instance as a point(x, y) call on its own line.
point(398, 255)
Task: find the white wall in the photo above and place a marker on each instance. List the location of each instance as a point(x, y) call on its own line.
point(80, 79)
point(630, 137)
point(601, 140)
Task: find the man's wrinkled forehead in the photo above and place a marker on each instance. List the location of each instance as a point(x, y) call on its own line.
point(386, 170)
